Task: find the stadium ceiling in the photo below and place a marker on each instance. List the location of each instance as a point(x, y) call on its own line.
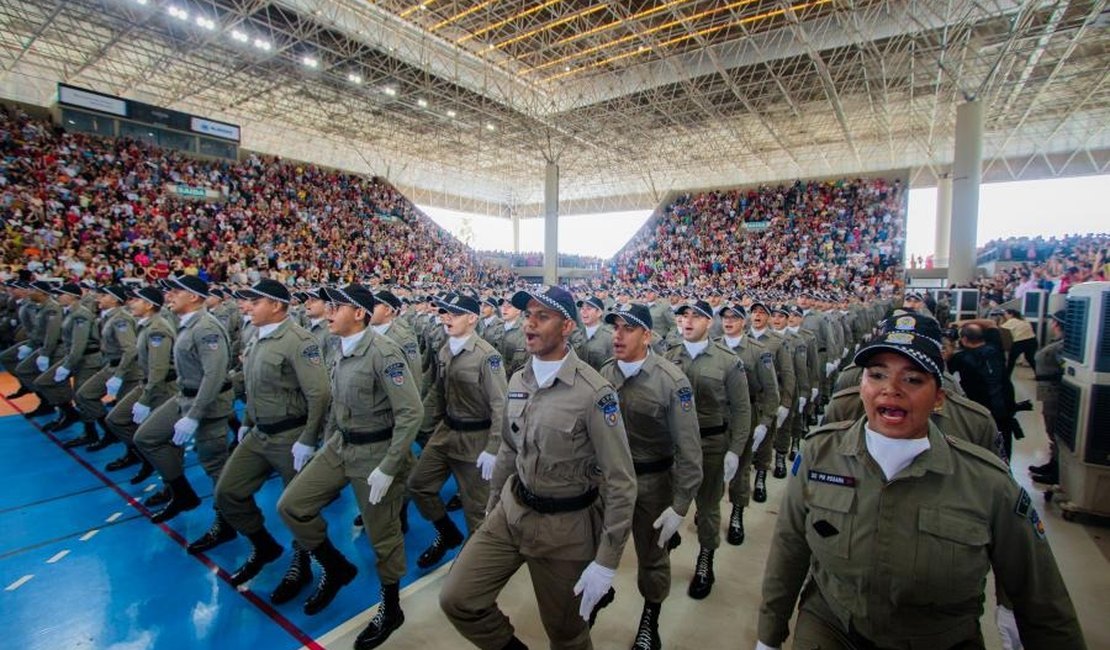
point(463, 103)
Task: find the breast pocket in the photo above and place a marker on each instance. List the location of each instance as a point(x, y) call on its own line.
point(829, 521)
point(466, 376)
point(951, 556)
point(514, 412)
point(560, 439)
point(710, 387)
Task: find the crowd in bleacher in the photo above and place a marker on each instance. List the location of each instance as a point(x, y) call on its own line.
point(1052, 264)
point(845, 235)
point(535, 258)
point(79, 206)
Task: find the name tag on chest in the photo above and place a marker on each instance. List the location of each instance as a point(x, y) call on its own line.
point(832, 479)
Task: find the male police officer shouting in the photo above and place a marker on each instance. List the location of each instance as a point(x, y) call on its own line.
point(563, 471)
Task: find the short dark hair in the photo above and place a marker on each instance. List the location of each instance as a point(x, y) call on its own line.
point(972, 333)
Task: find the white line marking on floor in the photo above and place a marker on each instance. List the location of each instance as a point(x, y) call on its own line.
point(57, 556)
point(114, 517)
point(19, 583)
point(150, 488)
point(89, 535)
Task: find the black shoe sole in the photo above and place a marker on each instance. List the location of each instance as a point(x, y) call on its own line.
point(205, 544)
point(321, 606)
point(699, 593)
point(277, 597)
point(779, 473)
point(363, 643)
point(172, 510)
point(734, 539)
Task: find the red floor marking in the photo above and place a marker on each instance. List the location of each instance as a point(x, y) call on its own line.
point(297, 633)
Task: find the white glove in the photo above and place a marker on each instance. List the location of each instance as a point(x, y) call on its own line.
point(757, 437)
point(139, 413)
point(24, 352)
point(592, 585)
point(61, 374)
point(802, 404)
point(667, 524)
point(829, 368)
point(1007, 628)
point(14, 322)
point(780, 416)
point(379, 483)
point(486, 461)
point(184, 430)
point(42, 363)
point(759, 645)
point(112, 386)
point(242, 433)
point(813, 394)
point(301, 454)
point(732, 463)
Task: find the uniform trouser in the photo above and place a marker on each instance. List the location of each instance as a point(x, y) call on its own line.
point(317, 485)
point(93, 389)
point(711, 490)
point(486, 563)
point(1049, 409)
point(155, 441)
point(778, 441)
point(654, 494)
point(9, 358)
point(56, 393)
point(432, 469)
point(740, 488)
point(27, 371)
point(247, 469)
point(119, 418)
point(801, 422)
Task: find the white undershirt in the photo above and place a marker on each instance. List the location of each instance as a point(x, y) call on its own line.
point(313, 322)
point(267, 330)
point(348, 343)
point(383, 328)
point(143, 321)
point(631, 368)
point(457, 343)
point(696, 348)
point(509, 324)
point(590, 331)
point(892, 454)
point(489, 321)
point(733, 342)
point(792, 329)
point(545, 371)
point(185, 318)
point(759, 333)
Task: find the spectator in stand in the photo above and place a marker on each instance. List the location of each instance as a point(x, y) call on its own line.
point(1024, 341)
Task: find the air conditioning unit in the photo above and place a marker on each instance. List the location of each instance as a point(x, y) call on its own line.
point(1082, 427)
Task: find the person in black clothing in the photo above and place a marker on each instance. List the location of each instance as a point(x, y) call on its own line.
point(982, 369)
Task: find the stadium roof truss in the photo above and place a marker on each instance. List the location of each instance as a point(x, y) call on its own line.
point(462, 103)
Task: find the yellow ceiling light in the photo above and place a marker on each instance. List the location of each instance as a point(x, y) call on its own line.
point(505, 21)
point(543, 28)
point(600, 28)
point(422, 5)
point(462, 14)
point(686, 37)
point(646, 32)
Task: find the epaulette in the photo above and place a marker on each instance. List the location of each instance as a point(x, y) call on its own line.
point(593, 377)
point(978, 452)
point(846, 392)
point(831, 427)
point(969, 404)
point(724, 346)
point(673, 371)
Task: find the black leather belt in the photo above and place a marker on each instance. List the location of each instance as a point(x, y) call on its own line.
point(714, 431)
point(366, 437)
point(192, 392)
point(653, 466)
point(552, 505)
point(466, 425)
point(282, 425)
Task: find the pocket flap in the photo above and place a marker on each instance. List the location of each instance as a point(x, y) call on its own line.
point(515, 407)
point(831, 497)
point(953, 527)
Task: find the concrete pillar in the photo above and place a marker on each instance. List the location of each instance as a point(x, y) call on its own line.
point(944, 220)
point(515, 217)
point(967, 174)
point(551, 224)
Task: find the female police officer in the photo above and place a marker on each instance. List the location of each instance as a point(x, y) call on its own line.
point(897, 524)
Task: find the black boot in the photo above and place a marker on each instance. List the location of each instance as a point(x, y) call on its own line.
point(647, 636)
point(182, 500)
point(297, 577)
point(736, 525)
point(702, 583)
point(780, 465)
point(67, 418)
point(336, 573)
point(218, 533)
point(605, 601)
point(131, 457)
point(448, 537)
point(264, 549)
point(454, 503)
point(22, 392)
point(107, 440)
point(674, 542)
point(43, 409)
point(159, 498)
point(87, 438)
point(389, 618)
point(145, 472)
point(515, 644)
point(793, 449)
point(357, 523)
point(759, 494)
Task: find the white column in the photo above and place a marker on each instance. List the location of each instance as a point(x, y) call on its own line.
point(551, 224)
point(944, 220)
point(515, 217)
point(967, 174)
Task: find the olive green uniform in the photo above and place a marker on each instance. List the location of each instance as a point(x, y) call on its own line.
point(492, 329)
point(783, 359)
point(45, 339)
point(25, 315)
point(117, 344)
point(154, 360)
point(374, 418)
point(1049, 371)
point(465, 406)
point(721, 397)
point(814, 371)
point(81, 355)
point(799, 352)
point(763, 393)
point(200, 354)
point(657, 404)
point(287, 401)
point(559, 444)
point(512, 347)
point(597, 349)
point(406, 339)
point(903, 563)
point(662, 318)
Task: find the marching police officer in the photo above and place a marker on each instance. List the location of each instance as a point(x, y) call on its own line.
point(120, 374)
point(43, 345)
point(724, 418)
point(545, 514)
point(783, 360)
point(1049, 371)
point(80, 344)
point(465, 406)
point(657, 403)
point(490, 325)
point(375, 415)
point(287, 404)
point(800, 352)
point(384, 321)
point(596, 346)
point(513, 348)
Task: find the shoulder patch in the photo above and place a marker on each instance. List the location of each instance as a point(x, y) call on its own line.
point(610, 408)
point(212, 341)
point(80, 320)
point(685, 397)
point(411, 349)
point(311, 353)
point(767, 359)
point(396, 373)
point(121, 324)
point(494, 361)
point(1038, 525)
point(157, 339)
point(1024, 504)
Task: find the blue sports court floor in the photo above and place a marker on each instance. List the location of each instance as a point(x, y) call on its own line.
point(82, 566)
